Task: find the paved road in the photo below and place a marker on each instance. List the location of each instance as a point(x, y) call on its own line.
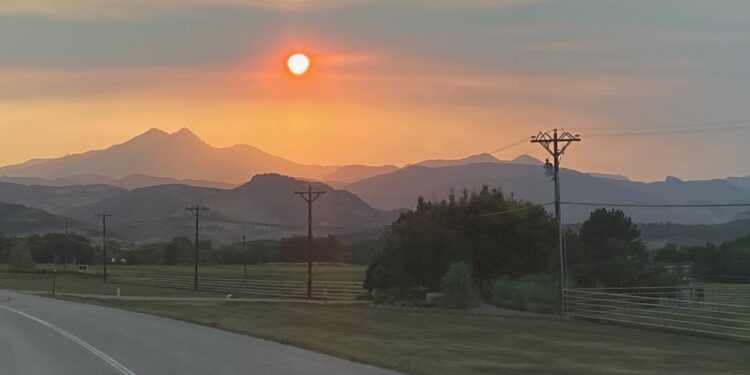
point(45, 336)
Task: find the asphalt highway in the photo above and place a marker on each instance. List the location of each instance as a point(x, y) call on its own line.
point(45, 336)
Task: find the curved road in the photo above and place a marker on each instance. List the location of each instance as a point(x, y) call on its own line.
point(46, 336)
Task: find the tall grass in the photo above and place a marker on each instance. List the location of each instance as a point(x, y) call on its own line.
point(534, 293)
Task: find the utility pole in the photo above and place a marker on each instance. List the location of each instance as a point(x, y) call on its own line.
point(556, 144)
point(67, 250)
point(197, 212)
point(104, 217)
point(244, 251)
point(309, 196)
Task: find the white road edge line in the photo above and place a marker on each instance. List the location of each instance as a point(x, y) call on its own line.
point(111, 361)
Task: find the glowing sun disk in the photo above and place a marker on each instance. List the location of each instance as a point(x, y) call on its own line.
point(298, 63)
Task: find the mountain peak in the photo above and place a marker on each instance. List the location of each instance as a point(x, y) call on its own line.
point(526, 159)
point(151, 134)
point(184, 132)
point(275, 182)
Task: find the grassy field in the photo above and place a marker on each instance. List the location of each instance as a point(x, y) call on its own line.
point(269, 271)
point(438, 342)
point(181, 282)
point(427, 341)
point(87, 284)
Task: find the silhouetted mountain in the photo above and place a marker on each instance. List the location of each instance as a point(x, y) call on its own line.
point(743, 182)
point(660, 234)
point(526, 159)
point(130, 182)
point(402, 188)
point(675, 190)
point(56, 199)
point(181, 155)
point(356, 172)
point(609, 175)
point(478, 158)
point(264, 205)
point(135, 181)
point(16, 219)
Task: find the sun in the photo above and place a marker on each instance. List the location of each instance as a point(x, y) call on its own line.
point(298, 63)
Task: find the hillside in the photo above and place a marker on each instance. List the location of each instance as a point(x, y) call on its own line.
point(56, 199)
point(129, 182)
point(16, 219)
point(402, 188)
point(659, 234)
point(263, 207)
point(352, 173)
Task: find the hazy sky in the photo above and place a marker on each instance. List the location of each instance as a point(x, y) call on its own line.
point(391, 81)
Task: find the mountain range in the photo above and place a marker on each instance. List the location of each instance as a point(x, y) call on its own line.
point(527, 181)
point(148, 181)
point(181, 155)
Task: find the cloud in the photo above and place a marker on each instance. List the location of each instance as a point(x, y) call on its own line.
point(124, 8)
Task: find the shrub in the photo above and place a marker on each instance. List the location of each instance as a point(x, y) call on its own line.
point(458, 286)
point(535, 293)
point(20, 257)
point(399, 296)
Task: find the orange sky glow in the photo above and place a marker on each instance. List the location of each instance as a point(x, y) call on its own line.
point(372, 103)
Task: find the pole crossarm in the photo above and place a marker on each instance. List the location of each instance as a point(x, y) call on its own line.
point(548, 141)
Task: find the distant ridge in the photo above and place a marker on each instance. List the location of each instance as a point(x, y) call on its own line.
point(264, 206)
point(478, 158)
point(181, 155)
point(129, 182)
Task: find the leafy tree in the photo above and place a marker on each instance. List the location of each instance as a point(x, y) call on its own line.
point(607, 251)
point(20, 257)
point(458, 285)
point(494, 234)
point(170, 253)
point(730, 258)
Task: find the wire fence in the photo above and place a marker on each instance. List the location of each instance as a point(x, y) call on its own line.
point(329, 290)
point(718, 310)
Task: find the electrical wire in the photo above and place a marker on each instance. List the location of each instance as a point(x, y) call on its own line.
point(656, 205)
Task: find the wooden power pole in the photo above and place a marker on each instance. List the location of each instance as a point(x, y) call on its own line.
point(197, 212)
point(556, 144)
point(104, 217)
point(309, 196)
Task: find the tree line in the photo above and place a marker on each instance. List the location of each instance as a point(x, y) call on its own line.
point(499, 242)
point(58, 248)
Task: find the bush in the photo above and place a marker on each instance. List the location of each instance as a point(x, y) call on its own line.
point(399, 296)
point(458, 286)
point(20, 257)
point(534, 293)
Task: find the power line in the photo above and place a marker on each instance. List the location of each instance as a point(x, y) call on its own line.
point(514, 144)
point(689, 125)
point(505, 212)
point(636, 131)
point(656, 205)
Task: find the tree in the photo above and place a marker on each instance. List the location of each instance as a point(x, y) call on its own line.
point(494, 234)
point(170, 253)
point(20, 257)
point(458, 285)
point(607, 251)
